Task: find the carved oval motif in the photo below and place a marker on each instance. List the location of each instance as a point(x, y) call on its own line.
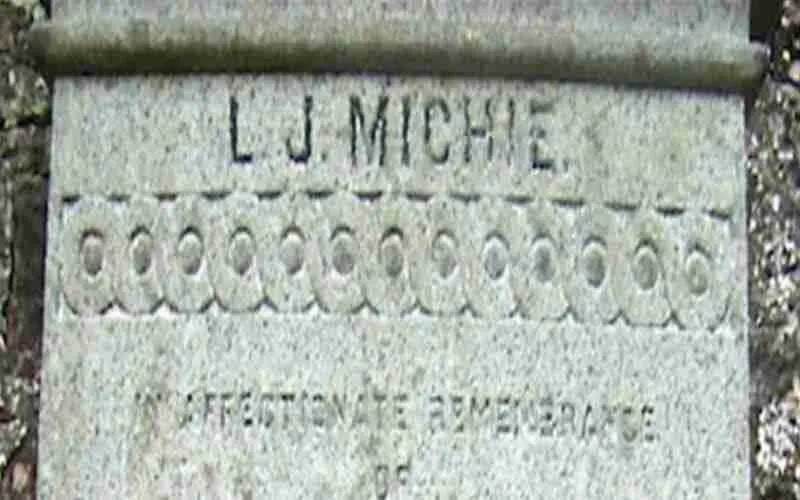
point(234, 252)
point(137, 270)
point(539, 276)
point(438, 268)
point(594, 251)
point(338, 263)
point(701, 273)
point(183, 230)
point(390, 241)
point(640, 283)
point(87, 263)
point(286, 248)
point(494, 246)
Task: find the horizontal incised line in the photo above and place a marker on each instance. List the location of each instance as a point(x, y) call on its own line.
point(564, 201)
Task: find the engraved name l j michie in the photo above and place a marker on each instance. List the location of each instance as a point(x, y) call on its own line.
point(441, 139)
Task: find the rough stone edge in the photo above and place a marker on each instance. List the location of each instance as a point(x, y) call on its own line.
point(24, 143)
point(773, 148)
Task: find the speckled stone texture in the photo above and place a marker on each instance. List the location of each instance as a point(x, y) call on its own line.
point(354, 287)
point(774, 252)
point(24, 141)
point(702, 16)
point(521, 299)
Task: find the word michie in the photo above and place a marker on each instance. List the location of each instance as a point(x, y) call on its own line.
point(394, 255)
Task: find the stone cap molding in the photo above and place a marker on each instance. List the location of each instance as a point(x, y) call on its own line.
point(619, 53)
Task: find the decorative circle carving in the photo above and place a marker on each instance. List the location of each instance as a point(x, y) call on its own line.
point(292, 251)
point(443, 254)
point(183, 227)
point(141, 250)
point(494, 243)
point(701, 273)
point(241, 251)
point(92, 250)
point(389, 244)
point(190, 251)
point(391, 253)
point(698, 272)
point(539, 275)
point(437, 274)
point(646, 267)
point(543, 255)
point(233, 269)
point(135, 246)
point(337, 265)
point(593, 262)
point(646, 252)
point(493, 256)
point(285, 249)
point(594, 251)
point(86, 267)
point(343, 249)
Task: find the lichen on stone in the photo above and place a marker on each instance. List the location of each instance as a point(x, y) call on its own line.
point(774, 228)
point(773, 148)
point(24, 94)
point(778, 454)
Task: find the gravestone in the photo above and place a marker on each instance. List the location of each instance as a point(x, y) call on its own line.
point(319, 286)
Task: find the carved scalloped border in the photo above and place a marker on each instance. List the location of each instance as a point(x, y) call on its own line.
point(393, 255)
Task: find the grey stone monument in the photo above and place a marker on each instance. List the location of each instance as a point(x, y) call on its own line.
point(396, 286)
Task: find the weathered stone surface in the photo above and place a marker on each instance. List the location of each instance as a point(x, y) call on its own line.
point(349, 287)
point(536, 146)
point(205, 251)
point(702, 16)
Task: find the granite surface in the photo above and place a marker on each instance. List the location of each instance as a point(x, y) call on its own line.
point(706, 16)
point(346, 287)
point(332, 286)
